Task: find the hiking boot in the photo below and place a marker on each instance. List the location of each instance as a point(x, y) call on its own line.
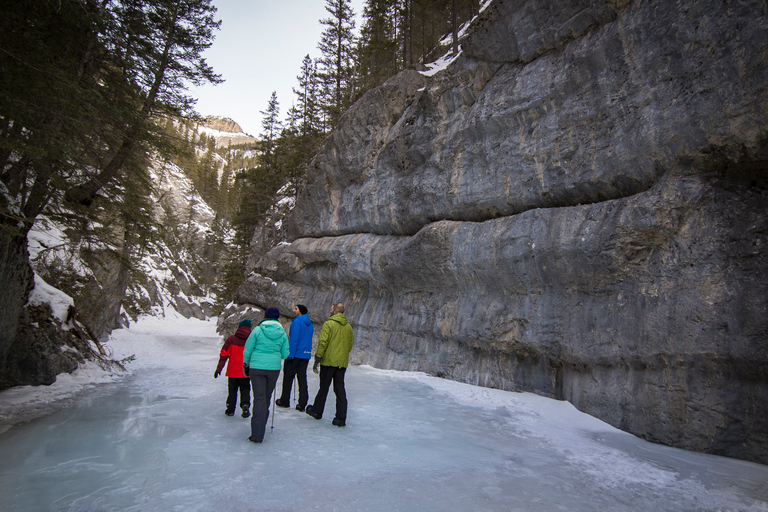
point(313, 413)
point(279, 402)
point(246, 412)
point(300, 408)
point(229, 413)
point(253, 440)
point(338, 422)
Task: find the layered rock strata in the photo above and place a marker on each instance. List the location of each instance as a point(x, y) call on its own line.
point(578, 207)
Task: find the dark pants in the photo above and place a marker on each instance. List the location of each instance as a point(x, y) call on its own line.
point(330, 374)
point(297, 368)
point(236, 384)
point(263, 383)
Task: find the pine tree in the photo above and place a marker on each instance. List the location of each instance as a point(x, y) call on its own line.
point(306, 114)
point(206, 174)
point(160, 55)
point(57, 108)
point(378, 47)
point(270, 125)
point(336, 64)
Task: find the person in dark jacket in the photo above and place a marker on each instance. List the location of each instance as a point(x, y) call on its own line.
point(333, 347)
point(300, 351)
point(237, 381)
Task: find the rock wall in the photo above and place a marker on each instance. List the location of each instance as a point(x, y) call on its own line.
point(17, 280)
point(578, 207)
point(33, 346)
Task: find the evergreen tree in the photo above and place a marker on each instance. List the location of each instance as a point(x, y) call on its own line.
point(114, 66)
point(258, 184)
point(160, 54)
point(336, 64)
point(270, 125)
point(60, 100)
point(205, 174)
point(306, 114)
point(377, 51)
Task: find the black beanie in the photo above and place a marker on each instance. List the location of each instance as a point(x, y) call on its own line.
point(272, 313)
point(302, 308)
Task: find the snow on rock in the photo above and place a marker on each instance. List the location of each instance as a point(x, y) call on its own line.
point(43, 293)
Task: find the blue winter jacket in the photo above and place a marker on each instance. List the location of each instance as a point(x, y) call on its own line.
point(301, 338)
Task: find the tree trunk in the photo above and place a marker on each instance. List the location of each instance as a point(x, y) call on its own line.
point(455, 25)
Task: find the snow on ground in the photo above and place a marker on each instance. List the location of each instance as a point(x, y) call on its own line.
point(156, 438)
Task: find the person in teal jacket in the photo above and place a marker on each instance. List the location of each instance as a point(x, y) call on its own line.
point(332, 354)
point(265, 348)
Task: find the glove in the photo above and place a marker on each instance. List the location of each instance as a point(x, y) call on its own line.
point(216, 374)
point(317, 363)
point(246, 369)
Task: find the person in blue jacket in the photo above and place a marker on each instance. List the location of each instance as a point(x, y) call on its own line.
point(265, 348)
point(300, 342)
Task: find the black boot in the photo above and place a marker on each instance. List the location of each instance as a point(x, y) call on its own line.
point(313, 413)
point(246, 412)
point(279, 402)
point(338, 422)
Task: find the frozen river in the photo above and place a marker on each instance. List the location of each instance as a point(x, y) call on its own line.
point(158, 439)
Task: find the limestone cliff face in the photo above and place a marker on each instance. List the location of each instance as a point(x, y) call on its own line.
point(222, 124)
point(226, 131)
point(578, 207)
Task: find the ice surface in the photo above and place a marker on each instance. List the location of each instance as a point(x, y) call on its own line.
point(157, 439)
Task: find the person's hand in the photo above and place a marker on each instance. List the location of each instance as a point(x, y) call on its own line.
point(216, 374)
point(317, 363)
point(246, 369)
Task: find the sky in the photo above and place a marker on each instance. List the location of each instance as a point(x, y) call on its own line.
point(157, 438)
point(258, 50)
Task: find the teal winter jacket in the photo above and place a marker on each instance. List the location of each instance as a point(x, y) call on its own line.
point(266, 346)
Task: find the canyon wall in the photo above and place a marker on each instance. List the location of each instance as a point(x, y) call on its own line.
point(577, 206)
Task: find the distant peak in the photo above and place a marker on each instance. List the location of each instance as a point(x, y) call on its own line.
point(222, 124)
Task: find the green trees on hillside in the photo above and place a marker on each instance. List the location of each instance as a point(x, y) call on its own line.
point(89, 89)
point(336, 64)
point(402, 34)
point(83, 86)
point(395, 35)
point(87, 92)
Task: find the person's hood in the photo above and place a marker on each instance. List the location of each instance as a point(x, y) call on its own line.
point(243, 332)
point(303, 319)
point(339, 317)
point(272, 328)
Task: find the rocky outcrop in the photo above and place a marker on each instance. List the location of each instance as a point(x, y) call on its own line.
point(34, 345)
point(18, 279)
point(222, 124)
point(578, 207)
point(226, 131)
point(44, 348)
